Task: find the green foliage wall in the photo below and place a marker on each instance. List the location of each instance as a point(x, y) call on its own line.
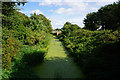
point(96, 52)
point(20, 30)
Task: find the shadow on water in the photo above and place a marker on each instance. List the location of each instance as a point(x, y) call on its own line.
point(57, 65)
point(23, 69)
point(58, 68)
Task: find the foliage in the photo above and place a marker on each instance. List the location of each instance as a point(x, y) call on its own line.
point(94, 51)
point(11, 47)
point(107, 17)
point(57, 29)
point(91, 21)
point(9, 7)
point(40, 22)
point(18, 30)
point(14, 20)
point(30, 56)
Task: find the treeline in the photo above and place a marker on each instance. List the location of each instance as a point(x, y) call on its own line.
point(24, 41)
point(107, 17)
point(96, 52)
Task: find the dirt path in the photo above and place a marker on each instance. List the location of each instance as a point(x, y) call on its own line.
point(57, 64)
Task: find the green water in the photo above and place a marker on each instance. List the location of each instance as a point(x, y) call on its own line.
point(57, 64)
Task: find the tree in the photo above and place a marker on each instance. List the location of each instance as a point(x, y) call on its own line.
point(58, 29)
point(107, 17)
point(9, 7)
point(91, 21)
point(40, 22)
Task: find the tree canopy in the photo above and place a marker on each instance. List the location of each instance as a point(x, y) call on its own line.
point(107, 17)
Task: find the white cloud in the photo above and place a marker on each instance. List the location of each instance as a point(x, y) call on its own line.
point(70, 11)
point(77, 20)
point(50, 2)
point(72, 0)
point(103, 3)
point(21, 11)
point(101, 0)
point(73, 7)
point(64, 11)
point(94, 9)
point(72, 3)
point(58, 22)
point(34, 11)
point(57, 1)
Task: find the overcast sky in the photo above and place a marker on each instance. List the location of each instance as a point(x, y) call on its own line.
point(61, 11)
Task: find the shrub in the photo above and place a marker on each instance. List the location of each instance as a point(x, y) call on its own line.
point(30, 57)
point(96, 52)
point(11, 47)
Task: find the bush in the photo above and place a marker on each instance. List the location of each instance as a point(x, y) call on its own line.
point(96, 52)
point(18, 30)
point(30, 57)
point(10, 50)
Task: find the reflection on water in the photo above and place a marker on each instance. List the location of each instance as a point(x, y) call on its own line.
point(57, 64)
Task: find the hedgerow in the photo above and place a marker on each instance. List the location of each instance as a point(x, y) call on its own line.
point(25, 41)
point(96, 52)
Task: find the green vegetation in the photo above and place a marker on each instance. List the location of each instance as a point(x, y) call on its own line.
point(96, 52)
point(107, 17)
point(24, 64)
point(25, 41)
point(57, 63)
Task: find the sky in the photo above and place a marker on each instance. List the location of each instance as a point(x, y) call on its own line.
point(62, 11)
